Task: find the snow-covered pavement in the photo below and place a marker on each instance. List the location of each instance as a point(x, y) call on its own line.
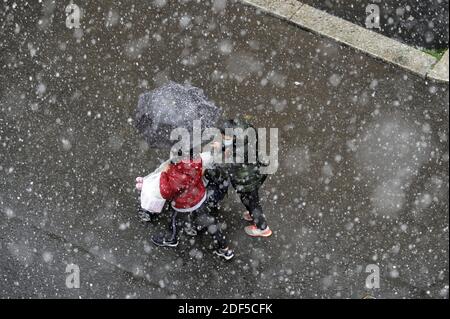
point(363, 177)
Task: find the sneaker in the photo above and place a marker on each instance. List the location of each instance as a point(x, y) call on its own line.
point(224, 253)
point(190, 231)
point(246, 216)
point(160, 240)
point(144, 216)
point(254, 231)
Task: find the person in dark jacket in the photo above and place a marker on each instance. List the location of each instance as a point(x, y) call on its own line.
point(182, 184)
point(246, 179)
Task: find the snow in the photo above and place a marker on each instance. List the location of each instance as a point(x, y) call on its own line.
point(363, 149)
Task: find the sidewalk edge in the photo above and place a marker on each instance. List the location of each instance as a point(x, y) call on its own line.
point(440, 70)
point(352, 35)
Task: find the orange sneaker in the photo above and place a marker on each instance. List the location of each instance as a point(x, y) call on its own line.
point(247, 217)
point(254, 231)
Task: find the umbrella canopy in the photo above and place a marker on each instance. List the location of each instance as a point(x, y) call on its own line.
point(171, 106)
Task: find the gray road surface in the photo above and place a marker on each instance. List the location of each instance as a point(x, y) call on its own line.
point(363, 175)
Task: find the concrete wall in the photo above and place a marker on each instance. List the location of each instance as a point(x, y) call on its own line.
point(422, 23)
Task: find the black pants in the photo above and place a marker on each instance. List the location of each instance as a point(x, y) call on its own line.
point(201, 219)
point(249, 199)
point(251, 202)
point(216, 193)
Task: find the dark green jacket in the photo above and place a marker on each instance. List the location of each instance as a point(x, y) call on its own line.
point(243, 177)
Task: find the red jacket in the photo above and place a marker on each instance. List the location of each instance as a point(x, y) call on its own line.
point(182, 184)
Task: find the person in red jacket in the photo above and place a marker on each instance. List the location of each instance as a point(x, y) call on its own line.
point(182, 184)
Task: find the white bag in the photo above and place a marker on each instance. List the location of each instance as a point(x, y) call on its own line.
point(151, 199)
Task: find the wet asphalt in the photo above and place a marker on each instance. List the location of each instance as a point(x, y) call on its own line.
point(363, 176)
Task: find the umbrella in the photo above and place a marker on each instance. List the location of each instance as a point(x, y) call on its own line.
point(171, 106)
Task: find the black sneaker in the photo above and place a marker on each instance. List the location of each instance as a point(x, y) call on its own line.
point(145, 216)
point(190, 231)
point(224, 253)
point(160, 240)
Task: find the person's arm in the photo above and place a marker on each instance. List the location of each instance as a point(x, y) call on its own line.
point(199, 173)
point(166, 188)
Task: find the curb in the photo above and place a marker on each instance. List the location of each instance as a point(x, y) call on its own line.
point(367, 41)
point(440, 71)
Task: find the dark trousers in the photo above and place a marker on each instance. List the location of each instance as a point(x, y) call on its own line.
point(216, 193)
point(253, 205)
point(201, 219)
point(249, 199)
